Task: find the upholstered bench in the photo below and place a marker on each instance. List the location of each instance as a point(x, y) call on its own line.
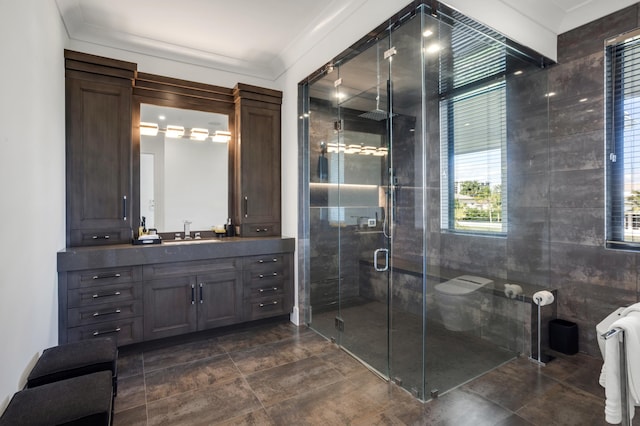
point(76, 359)
point(82, 400)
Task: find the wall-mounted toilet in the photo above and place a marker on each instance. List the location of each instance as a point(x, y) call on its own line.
point(465, 302)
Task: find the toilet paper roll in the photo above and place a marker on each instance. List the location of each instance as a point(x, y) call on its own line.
point(543, 298)
point(512, 290)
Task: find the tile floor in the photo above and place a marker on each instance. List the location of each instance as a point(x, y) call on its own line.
point(279, 374)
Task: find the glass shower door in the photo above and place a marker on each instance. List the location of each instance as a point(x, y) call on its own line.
point(365, 196)
point(366, 215)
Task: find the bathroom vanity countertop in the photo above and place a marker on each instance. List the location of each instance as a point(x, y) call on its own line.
point(80, 258)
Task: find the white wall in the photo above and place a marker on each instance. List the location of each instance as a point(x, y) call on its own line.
point(32, 197)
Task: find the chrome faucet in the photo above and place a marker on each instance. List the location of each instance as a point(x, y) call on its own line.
point(187, 231)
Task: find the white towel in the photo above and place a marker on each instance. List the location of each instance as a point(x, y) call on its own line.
point(631, 326)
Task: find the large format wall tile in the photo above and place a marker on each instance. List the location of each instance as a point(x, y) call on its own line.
point(590, 38)
point(578, 151)
point(584, 226)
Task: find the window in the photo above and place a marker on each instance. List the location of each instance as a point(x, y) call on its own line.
point(623, 140)
point(473, 132)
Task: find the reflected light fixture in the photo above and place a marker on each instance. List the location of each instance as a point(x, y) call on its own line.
point(433, 48)
point(221, 136)
point(148, 129)
point(199, 134)
point(174, 131)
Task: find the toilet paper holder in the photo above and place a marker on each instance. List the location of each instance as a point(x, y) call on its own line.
point(542, 298)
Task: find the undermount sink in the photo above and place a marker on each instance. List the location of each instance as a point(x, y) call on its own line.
point(193, 241)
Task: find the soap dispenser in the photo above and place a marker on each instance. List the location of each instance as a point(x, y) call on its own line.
point(142, 229)
point(230, 230)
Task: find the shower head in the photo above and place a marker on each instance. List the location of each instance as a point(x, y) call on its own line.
point(377, 115)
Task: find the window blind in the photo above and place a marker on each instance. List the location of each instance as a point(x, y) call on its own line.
point(473, 132)
point(623, 140)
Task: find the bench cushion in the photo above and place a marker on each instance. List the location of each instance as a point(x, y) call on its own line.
point(74, 359)
point(83, 400)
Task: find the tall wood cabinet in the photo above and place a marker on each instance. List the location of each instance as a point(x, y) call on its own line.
point(257, 160)
point(98, 123)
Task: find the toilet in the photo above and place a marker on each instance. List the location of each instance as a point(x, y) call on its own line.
point(465, 302)
point(604, 325)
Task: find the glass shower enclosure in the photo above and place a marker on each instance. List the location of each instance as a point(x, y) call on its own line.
point(387, 275)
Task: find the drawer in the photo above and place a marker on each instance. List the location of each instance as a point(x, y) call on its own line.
point(259, 229)
point(89, 296)
point(125, 331)
point(173, 269)
point(267, 307)
point(266, 263)
point(103, 276)
point(269, 288)
point(99, 237)
point(94, 314)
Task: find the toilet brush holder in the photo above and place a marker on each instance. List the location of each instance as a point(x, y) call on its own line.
point(541, 298)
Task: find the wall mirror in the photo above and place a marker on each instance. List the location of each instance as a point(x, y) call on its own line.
point(184, 173)
point(183, 152)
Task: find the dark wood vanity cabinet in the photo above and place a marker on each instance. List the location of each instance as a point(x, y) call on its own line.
point(257, 160)
point(142, 293)
point(268, 285)
point(183, 297)
point(98, 155)
point(102, 302)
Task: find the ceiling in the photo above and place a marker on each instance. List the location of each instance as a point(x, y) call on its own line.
point(257, 37)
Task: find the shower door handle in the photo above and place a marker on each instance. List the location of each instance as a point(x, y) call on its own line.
point(386, 259)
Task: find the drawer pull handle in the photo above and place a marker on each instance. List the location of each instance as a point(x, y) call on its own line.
point(262, 230)
point(193, 294)
point(275, 274)
point(97, 314)
point(274, 260)
point(100, 237)
point(262, 290)
point(116, 293)
point(101, 277)
point(275, 302)
point(97, 333)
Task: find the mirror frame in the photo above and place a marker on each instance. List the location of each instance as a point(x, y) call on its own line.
point(175, 93)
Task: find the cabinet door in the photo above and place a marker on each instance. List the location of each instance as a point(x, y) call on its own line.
point(98, 161)
point(170, 307)
point(260, 170)
point(219, 299)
